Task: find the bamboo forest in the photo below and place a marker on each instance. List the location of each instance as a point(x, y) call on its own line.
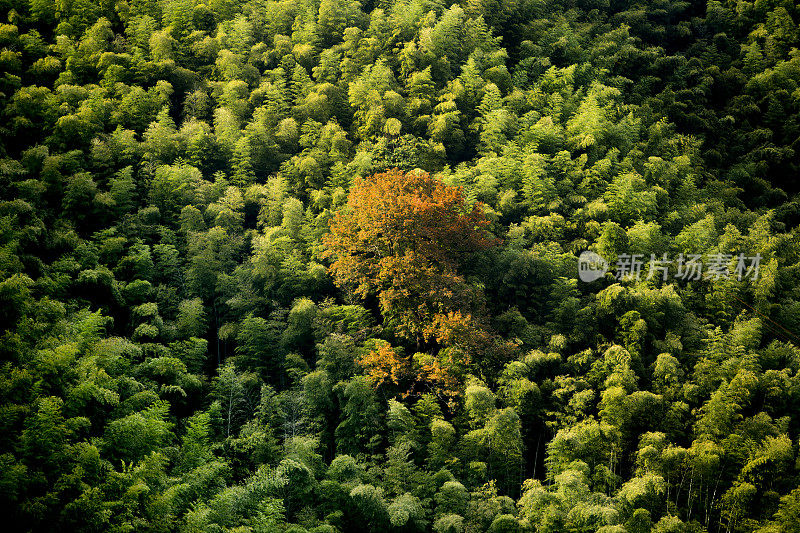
point(395, 266)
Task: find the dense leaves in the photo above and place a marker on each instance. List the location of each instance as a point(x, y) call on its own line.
point(269, 265)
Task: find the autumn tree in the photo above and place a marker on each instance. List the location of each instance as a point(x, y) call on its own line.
point(403, 238)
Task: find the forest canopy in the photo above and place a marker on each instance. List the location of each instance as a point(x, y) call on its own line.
point(313, 266)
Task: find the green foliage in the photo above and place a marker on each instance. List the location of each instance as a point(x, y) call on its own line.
point(175, 354)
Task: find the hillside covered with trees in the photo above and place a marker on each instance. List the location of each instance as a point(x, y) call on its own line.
point(311, 266)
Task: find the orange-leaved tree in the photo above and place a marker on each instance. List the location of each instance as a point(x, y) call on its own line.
point(403, 238)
